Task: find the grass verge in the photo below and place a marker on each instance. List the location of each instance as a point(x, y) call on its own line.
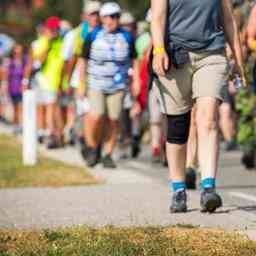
point(111, 241)
point(47, 173)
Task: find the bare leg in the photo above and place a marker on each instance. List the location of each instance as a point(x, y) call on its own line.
point(112, 136)
point(226, 122)
point(15, 114)
point(192, 160)
point(59, 122)
point(93, 131)
point(208, 137)
point(40, 117)
point(19, 113)
point(50, 118)
point(176, 155)
point(156, 133)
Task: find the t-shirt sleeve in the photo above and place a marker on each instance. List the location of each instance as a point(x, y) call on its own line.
point(68, 45)
point(87, 47)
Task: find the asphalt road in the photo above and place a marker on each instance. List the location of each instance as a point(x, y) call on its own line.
point(135, 194)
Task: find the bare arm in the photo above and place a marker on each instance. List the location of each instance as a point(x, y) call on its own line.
point(251, 29)
point(232, 36)
point(159, 12)
point(158, 24)
point(27, 71)
point(136, 78)
point(82, 64)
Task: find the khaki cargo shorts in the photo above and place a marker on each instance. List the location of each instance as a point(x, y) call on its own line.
point(204, 76)
point(106, 104)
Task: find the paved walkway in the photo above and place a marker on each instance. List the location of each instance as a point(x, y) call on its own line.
point(135, 194)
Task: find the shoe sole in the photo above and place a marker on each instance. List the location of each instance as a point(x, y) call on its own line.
point(211, 206)
point(183, 210)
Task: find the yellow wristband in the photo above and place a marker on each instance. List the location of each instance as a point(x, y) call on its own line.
point(158, 50)
point(252, 45)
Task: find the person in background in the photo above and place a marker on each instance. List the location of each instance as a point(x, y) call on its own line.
point(2, 97)
point(49, 79)
point(65, 107)
point(144, 48)
point(108, 54)
point(14, 72)
point(251, 40)
point(131, 121)
point(71, 51)
point(35, 57)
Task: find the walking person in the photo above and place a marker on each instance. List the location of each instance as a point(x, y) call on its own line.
point(109, 53)
point(190, 62)
point(73, 45)
point(49, 79)
point(14, 76)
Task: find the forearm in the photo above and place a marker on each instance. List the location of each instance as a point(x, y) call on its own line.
point(251, 30)
point(232, 33)
point(158, 23)
point(82, 63)
point(70, 67)
point(136, 78)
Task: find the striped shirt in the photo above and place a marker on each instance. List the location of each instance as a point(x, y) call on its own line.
point(109, 58)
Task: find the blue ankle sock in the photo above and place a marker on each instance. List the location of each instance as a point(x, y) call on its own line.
point(208, 183)
point(177, 186)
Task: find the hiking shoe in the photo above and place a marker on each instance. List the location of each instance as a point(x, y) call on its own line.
point(84, 152)
point(179, 202)
point(91, 157)
point(108, 162)
point(190, 178)
point(135, 147)
point(210, 200)
point(54, 143)
point(230, 145)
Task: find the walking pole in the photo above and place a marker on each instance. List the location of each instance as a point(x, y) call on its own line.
point(29, 145)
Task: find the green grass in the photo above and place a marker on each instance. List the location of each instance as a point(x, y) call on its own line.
point(111, 241)
point(47, 173)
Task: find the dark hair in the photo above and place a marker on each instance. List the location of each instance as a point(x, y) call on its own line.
point(13, 48)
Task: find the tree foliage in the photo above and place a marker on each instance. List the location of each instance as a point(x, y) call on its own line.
point(71, 10)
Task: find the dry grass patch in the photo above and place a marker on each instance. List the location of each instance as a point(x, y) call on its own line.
point(48, 173)
point(110, 241)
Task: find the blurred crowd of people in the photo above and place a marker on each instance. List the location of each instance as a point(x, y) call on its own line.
point(92, 84)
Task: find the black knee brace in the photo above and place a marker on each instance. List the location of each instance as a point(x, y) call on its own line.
point(178, 128)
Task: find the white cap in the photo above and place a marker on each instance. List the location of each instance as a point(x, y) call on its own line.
point(65, 24)
point(149, 16)
point(127, 18)
point(110, 8)
point(91, 6)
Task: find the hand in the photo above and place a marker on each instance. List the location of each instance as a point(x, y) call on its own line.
point(136, 88)
point(24, 87)
point(161, 63)
point(70, 91)
point(136, 109)
point(80, 93)
point(240, 71)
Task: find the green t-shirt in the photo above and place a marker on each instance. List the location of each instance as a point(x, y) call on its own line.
point(142, 44)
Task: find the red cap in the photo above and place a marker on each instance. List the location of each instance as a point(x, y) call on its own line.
point(53, 23)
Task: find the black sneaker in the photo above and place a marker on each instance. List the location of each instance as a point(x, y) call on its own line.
point(190, 178)
point(210, 200)
point(108, 162)
point(230, 145)
point(179, 202)
point(135, 147)
point(92, 158)
point(53, 143)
